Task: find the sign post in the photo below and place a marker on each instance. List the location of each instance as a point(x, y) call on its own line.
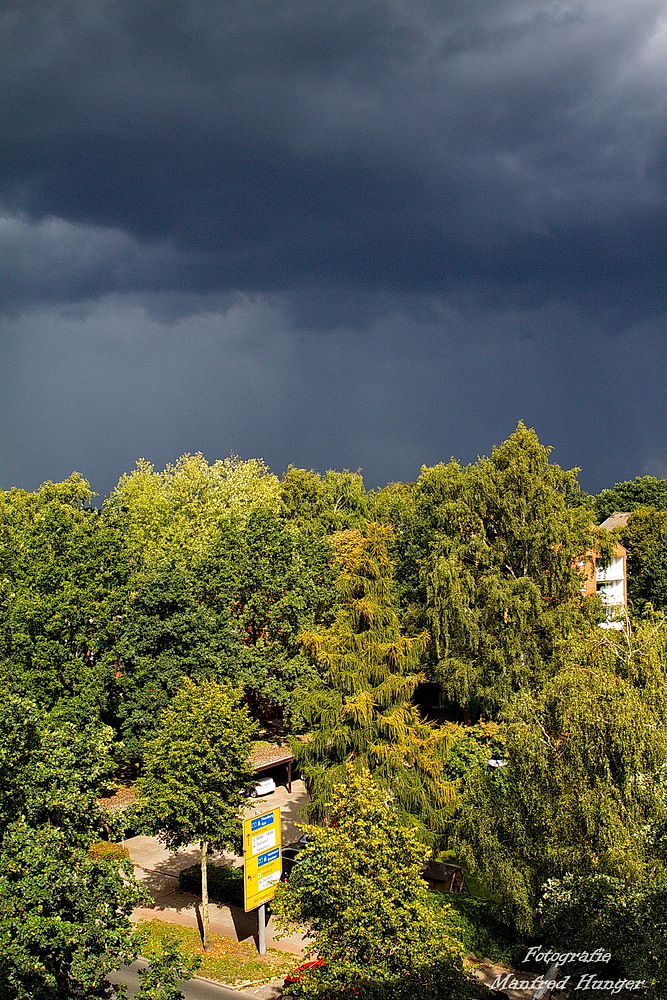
point(262, 863)
point(261, 925)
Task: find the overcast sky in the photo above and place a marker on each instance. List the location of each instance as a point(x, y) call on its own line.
point(344, 234)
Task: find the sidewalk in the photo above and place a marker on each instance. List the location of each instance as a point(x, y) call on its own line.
point(158, 869)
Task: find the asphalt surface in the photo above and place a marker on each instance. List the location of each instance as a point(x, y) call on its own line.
point(192, 989)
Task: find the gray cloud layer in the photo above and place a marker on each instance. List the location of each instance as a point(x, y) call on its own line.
point(448, 217)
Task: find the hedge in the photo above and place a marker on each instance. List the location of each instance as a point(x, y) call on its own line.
point(225, 885)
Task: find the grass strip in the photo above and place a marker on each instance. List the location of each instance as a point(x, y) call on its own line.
point(229, 962)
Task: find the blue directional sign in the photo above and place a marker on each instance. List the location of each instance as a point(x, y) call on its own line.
point(261, 857)
point(264, 859)
point(260, 821)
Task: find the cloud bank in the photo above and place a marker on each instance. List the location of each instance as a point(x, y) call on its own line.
point(369, 234)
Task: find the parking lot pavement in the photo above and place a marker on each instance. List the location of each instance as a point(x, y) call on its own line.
point(292, 808)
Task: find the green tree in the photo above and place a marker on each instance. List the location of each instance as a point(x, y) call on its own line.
point(333, 502)
point(159, 981)
point(357, 888)
point(64, 915)
point(584, 790)
point(363, 710)
point(644, 491)
point(51, 774)
point(645, 537)
point(627, 920)
point(63, 574)
point(166, 633)
point(194, 770)
point(268, 581)
point(402, 505)
point(171, 515)
point(503, 588)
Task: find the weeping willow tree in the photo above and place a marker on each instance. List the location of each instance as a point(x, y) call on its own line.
point(363, 710)
point(584, 791)
point(504, 578)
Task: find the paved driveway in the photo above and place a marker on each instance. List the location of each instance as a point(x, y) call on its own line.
point(291, 808)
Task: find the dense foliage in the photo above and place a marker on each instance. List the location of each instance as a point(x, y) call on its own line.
point(645, 537)
point(64, 914)
point(357, 888)
point(644, 491)
point(363, 710)
point(579, 811)
point(195, 771)
point(502, 585)
point(326, 608)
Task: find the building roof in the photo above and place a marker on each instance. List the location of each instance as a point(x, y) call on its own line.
point(618, 519)
point(270, 756)
point(261, 759)
point(120, 800)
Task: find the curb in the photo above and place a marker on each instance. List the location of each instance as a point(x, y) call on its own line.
point(216, 982)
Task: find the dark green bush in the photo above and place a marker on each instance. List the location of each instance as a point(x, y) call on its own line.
point(225, 885)
point(483, 933)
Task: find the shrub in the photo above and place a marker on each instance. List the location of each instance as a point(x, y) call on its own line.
point(483, 932)
point(107, 850)
point(225, 885)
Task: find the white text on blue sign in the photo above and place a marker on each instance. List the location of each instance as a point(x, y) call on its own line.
point(257, 824)
point(264, 859)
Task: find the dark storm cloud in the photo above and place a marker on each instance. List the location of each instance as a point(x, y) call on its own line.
point(94, 389)
point(57, 261)
point(514, 151)
point(371, 233)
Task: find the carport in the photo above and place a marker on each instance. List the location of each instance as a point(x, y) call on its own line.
point(267, 757)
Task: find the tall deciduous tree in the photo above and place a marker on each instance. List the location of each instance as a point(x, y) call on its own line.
point(166, 633)
point(363, 711)
point(626, 919)
point(358, 890)
point(64, 916)
point(50, 773)
point(503, 587)
point(644, 491)
point(333, 502)
point(268, 581)
point(171, 515)
point(194, 770)
point(62, 576)
point(584, 790)
point(645, 537)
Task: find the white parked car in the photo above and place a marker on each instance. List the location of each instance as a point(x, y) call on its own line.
point(262, 787)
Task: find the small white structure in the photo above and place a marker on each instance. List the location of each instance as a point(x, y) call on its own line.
point(611, 583)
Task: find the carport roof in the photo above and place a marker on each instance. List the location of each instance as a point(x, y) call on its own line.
point(270, 756)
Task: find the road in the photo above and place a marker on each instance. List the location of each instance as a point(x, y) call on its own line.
point(193, 989)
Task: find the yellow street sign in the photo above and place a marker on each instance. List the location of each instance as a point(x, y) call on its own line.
point(261, 858)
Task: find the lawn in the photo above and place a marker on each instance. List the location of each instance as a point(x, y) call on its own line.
point(230, 962)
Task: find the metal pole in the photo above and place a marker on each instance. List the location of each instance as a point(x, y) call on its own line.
point(261, 919)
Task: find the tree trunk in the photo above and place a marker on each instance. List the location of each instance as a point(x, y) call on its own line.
point(204, 896)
